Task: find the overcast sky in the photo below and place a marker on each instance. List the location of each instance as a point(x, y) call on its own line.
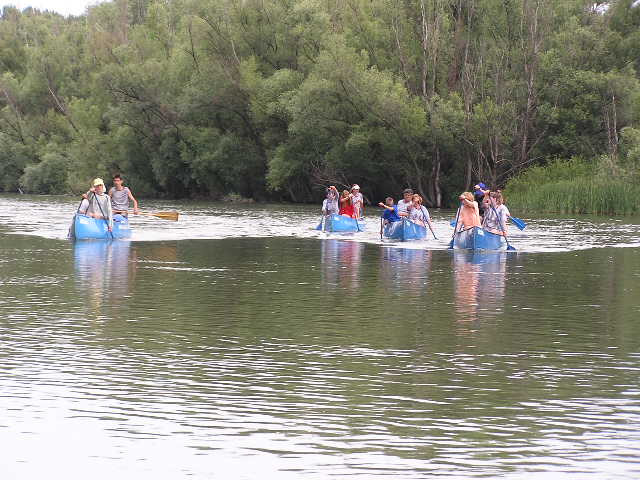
point(65, 7)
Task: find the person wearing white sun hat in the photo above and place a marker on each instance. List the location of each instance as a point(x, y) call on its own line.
point(357, 200)
point(99, 203)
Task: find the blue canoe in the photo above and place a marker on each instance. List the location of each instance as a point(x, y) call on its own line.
point(404, 230)
point(342, 224)
point(89, 228)
point(476, 238)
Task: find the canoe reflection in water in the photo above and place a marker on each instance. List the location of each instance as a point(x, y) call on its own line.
point(341, 263)
point(405, 268)
point(104, 271)
point(479, 282)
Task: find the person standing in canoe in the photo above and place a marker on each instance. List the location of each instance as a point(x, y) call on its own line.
point(357, 201)
point(390, 213)
point(330, 204)
point(496, 215)
point(345, 204)
point(468, 213)
point(120, 196)
point(478, 195)
point(403, 204)
point(99, 203)
point(417, 213)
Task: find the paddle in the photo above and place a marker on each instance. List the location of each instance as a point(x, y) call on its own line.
point(424, 217)
point(510, 248)
point(319, 227)
point(72, 230)
point(163, 215)
point(103, 217)
point(381, 225)
point(521, 224)
point(455, 227)
point(356, 213)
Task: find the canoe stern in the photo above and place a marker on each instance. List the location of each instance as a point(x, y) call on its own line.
point(343, 224)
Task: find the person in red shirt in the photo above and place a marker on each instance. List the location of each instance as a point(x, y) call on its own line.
point(345, 204)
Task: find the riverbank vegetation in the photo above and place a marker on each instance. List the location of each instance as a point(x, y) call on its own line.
point(274, 99)
point(575, 186)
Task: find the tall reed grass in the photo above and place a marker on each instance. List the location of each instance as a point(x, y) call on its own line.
point(573, 187)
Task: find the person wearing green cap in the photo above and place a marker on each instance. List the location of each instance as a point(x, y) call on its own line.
point(99, 203)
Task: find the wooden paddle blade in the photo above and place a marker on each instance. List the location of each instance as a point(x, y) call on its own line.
point(167, 215)
point(163, 215)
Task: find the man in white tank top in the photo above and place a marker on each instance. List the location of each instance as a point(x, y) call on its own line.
point(120, 196)
point(403, 204)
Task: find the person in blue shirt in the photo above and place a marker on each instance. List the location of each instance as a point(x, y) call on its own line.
point(479, 191)
point(390, 214)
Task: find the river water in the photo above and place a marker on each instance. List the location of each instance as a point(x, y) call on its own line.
point(239, 343)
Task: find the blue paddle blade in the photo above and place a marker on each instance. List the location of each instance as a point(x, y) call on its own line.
point(451, 244)
point(521, 224)
point(511, 248)
point(452, 223)
point(319, 227)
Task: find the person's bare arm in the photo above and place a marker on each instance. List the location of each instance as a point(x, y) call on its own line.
point(135, 202)
point(385, 206)
point(466, 202)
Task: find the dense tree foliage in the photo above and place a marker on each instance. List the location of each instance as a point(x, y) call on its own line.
point(273, 99)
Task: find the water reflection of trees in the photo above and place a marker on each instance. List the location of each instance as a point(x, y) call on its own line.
point(104, 271)
point(341, 263)
point(479, 283)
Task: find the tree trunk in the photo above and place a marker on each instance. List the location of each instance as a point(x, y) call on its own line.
point(611, 121)
point(425, 45)
point(469, 171)
point(435, 180)
point(453, 77)
point(531, 57)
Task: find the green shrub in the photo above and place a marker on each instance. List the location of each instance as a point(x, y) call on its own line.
point(48, 176)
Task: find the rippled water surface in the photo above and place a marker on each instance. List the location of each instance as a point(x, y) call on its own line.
point(238, 343)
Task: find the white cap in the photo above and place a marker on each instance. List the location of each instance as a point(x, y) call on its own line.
point(355, 187)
